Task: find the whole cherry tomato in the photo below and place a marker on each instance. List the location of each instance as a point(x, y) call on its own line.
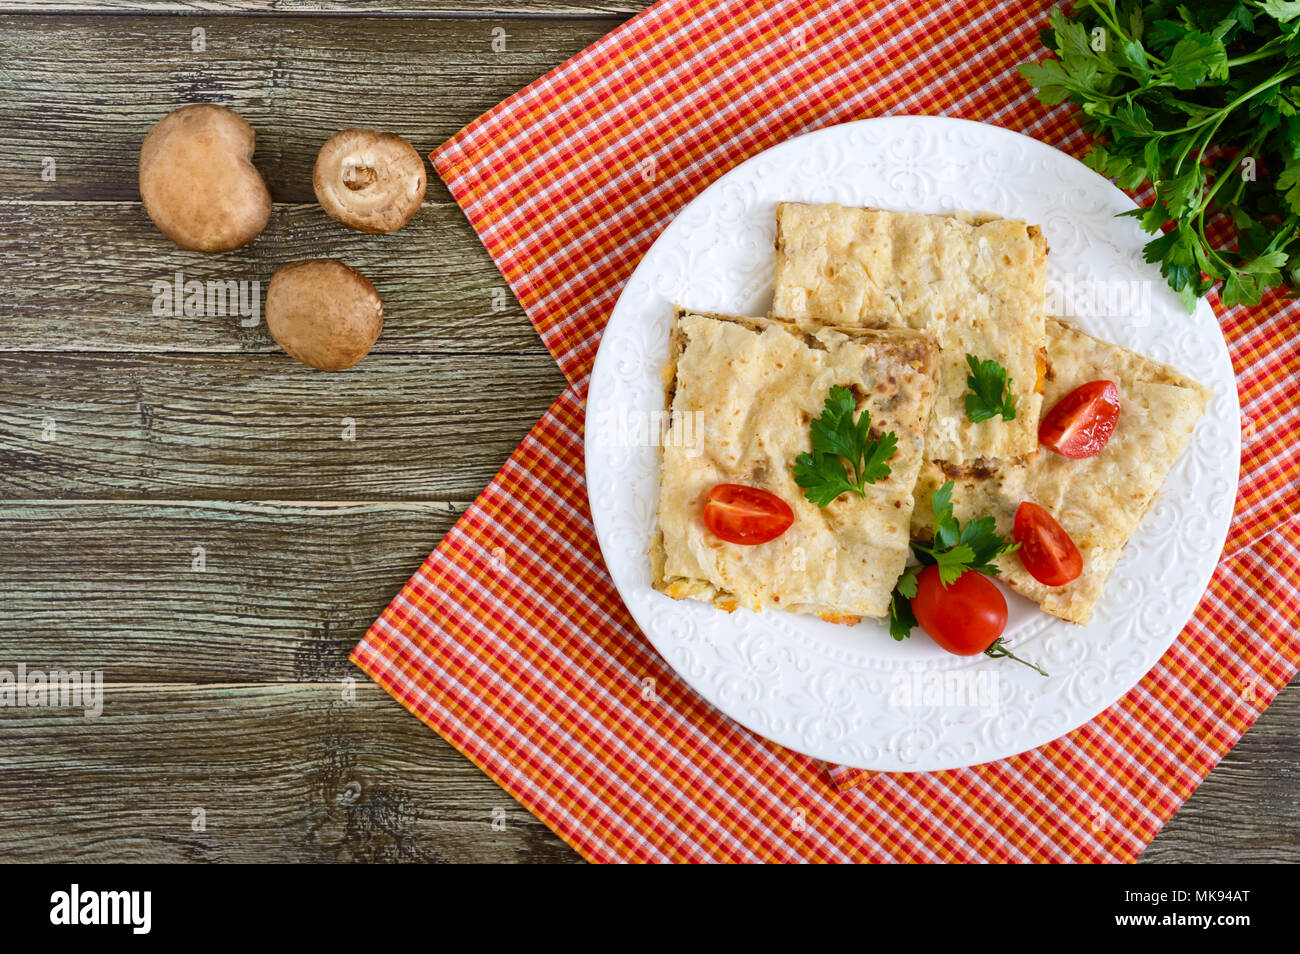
point(965, 617)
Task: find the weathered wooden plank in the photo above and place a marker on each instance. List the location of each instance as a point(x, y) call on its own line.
point(112, 586)
point(232, 427)
point(287, 590)
point(1248, 809)
point(83, 279)
point(289, 773)
point(206, 592)
point(285, 772)
point(296, 773)
point(432, 8)
point(83, 91)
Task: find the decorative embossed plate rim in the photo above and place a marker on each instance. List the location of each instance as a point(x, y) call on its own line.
point(852, 695)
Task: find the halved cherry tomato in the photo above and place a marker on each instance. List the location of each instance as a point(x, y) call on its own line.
point(1046, 549)
point(1081, 422)
point(746, 515)
point(966, 617)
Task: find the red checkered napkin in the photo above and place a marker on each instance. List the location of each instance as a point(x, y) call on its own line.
point(511, 641)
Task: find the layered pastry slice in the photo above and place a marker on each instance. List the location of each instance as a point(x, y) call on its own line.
point(977, 283)
point(1101, 500)
point(741, 396)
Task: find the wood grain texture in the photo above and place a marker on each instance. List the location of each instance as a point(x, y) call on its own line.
point(221, 427)
point(287, 771)
point(292, 773)
point(486, 9)
point(84, 91)
point(296, 773)
point(83, 273)
point(287, 589)
point(174, 433)
point(207, 592)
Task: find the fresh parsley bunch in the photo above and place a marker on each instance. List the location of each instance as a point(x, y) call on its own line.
point(954, 549)
point(844, 457)
point(1203, 101)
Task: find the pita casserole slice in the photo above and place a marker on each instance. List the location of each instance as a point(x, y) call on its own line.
point(977, 283)
point(1099, 500)
point(741, 394)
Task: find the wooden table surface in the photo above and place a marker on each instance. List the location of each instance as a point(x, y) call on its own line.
point(129, 440)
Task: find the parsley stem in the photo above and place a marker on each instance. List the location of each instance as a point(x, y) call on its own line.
point(1223, 111)
point(1289, 229)
point(1271, 48)
point(1223, 177)
point(1204, 205)
point(1218, 116)
point(999, 651)
point(1209, 193)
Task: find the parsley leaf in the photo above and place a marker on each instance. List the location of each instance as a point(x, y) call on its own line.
point(952, 562)
point(1053, 84)
point(1288, 183)
point(980, 536)
point(844, 457)
point(1284, 11)
point(954, 550)
point(990, 391)
point(906, 585)
point(947, 530)
point(901, 618)
point(1195, 58)
point(823, 478)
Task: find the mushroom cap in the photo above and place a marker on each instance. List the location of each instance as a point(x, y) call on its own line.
point(198, 182)
point(323, 313)
point(370, 181)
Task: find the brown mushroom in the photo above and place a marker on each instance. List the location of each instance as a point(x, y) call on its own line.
point(198, 182)
point(323, 313)
point(370, 181)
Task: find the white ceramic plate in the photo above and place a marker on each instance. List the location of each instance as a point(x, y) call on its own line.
point(851, 694)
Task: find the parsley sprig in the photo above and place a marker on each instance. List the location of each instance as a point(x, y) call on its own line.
point(990, 391)
point(844, 457)
point(1203, 101)
point(954, 549)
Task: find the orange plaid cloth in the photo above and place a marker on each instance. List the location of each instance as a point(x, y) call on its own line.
point(511, 641)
